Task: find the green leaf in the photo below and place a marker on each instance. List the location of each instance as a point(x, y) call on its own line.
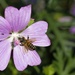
point(31, 22)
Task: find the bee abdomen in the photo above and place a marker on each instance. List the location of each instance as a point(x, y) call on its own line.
point(31, 46)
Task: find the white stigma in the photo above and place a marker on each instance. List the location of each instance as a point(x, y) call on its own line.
point(13, 36)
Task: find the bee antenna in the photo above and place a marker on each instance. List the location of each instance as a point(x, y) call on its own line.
point(28, 37)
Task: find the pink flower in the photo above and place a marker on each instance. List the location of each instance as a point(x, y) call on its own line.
point(14, 26)
point(72, 29)
point(65, 19)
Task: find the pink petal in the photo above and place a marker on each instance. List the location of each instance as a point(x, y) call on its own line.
point(4, 26)
point(24, 16)
point(37, 28)
point(12, 16)
point(42, 40)
point(37, 31)
point(32, 58)
point(18, 57)
point(22, 58)
point(5, 53)
point(18, 19)
point(39, 40)
point(4, 36)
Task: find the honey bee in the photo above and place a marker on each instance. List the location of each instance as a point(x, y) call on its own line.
point(27, 43)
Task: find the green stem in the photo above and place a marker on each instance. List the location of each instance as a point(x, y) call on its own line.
point(37, 69)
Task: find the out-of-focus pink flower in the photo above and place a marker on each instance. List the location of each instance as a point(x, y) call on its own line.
point(65, 19)
point(14, 25)
point(72, 29)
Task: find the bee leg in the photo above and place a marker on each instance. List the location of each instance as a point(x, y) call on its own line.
point(26, 50)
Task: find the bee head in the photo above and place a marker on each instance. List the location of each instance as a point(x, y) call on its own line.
point(21, 39)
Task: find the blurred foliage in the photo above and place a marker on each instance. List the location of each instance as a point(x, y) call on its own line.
point(48, 70)
point(59, 58)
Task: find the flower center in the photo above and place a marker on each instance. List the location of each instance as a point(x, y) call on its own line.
point(13, 36)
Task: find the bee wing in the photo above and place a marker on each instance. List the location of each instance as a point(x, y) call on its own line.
point(32, 58)
point(32, 40)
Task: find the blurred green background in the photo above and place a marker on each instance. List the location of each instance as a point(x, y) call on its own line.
point(59, 58)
